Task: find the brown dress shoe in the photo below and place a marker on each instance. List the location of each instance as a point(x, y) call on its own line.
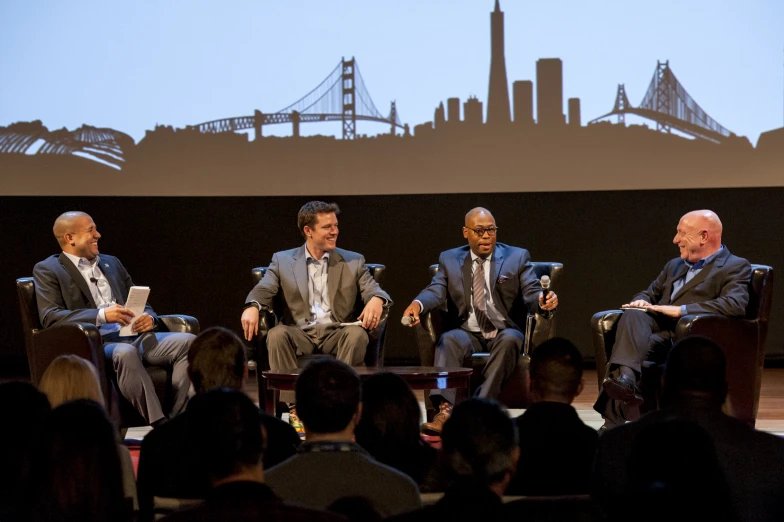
point(437, 424)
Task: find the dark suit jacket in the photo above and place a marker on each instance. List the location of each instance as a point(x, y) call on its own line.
point(514, 286)
point(248, 501)
point(62, 293)
point(170, 466)
point(721, 287)
point(751, 460)
point(287, 276)
point(556, 452)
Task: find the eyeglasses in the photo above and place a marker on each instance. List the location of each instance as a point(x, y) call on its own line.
point(480, 232)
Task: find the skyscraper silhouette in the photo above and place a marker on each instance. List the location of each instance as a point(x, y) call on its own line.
point(498, 94)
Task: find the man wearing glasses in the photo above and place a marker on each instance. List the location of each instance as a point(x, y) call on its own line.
point(480, 284)
point(79, 285)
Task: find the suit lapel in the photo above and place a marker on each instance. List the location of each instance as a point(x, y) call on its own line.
point(704, 273)
point(496, 262)
point(111, 276)
point(77, 278)
point(467, 279)
point(300, 269)
point(334, 273)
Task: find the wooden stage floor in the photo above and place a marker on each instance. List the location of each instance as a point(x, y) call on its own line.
point(770, 417)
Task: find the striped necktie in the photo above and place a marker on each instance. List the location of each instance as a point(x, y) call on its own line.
point(489, 331)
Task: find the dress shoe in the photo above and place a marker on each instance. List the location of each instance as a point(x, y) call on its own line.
point(623, 389)
point(437, 424)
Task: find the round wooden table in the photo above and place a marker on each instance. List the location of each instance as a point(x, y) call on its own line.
point(417, 377)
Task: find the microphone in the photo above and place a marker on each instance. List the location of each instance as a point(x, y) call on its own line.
point(406, 320)
point(94, 281)
point(545, 282)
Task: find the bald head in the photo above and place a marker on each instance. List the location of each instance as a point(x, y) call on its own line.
point(77, 234)
point(698, 235)
point(480, 231)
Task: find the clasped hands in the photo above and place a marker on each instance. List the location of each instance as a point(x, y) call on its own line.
point(120, 314)
point(668, 310)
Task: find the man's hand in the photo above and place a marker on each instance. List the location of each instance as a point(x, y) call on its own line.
point(250, 322)
point(639, 303)
point(143, 324)
point(413, 311)
point(118, 314)
point(669, 311)
point(371, 315)
point(551, 303)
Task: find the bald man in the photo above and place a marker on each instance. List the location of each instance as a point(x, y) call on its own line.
point(706, 278)
point(485, 287)
point(82, 286)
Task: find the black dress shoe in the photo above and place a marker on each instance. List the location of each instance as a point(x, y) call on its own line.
point(622, 389)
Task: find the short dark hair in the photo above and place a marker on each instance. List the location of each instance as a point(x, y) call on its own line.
point(556, 368)
point(216, 358)
point(227, 425)
point(308, 214)
point(477, 442)
point(695, 364)
point(328, 392)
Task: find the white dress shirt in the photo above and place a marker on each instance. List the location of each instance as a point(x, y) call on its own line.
point(318, 295)
point(101, 291)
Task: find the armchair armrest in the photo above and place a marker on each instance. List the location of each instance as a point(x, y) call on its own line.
point(376, 337)
point(426, 336)
point(723, 329)
point(603, 325)
point(179, 323)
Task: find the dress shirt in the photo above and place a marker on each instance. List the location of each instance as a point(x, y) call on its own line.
point(492, 312)
point(101, 291)
point(694, 269)
point(318, 295)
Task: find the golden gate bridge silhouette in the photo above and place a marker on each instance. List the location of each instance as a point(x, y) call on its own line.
point(341, 96)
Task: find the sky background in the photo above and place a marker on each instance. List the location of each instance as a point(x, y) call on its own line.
point(132, 65)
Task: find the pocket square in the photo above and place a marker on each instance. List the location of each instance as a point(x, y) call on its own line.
point(502, 279)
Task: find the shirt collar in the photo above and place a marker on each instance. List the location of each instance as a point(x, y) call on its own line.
point(76, 260)
point(704, 261)
point(308, 256)
point(474, 257)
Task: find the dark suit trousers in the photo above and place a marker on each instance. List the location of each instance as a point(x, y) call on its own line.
point(127, 356)
point(455, 345)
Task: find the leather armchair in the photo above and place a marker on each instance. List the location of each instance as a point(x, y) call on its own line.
point(43, 345)
point(269, 318)
point(743, 340)
point(539, 328)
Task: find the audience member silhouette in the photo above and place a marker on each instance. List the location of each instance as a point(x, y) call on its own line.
point(673, 471)
point(227, 426)
point(694, 390)
point(75, 473)
point(556, 447)
point(479, 453)
point(70, 377)
point(330, 466)
point(389, 429)
point(168, 464)
point(25, 408)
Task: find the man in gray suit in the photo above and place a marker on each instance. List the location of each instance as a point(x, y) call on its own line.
point(484, 287)
point(319, 284)
point(79, 285)
point(706, 278)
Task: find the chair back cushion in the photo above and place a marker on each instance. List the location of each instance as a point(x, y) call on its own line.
point(25, 290)
point(760, 293)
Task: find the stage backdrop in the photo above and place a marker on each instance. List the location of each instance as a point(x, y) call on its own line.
point(196, 254)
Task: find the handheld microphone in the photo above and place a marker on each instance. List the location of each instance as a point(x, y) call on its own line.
point(406, 320)
point(545, 282)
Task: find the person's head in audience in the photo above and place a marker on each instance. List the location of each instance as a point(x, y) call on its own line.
point(389, 425)
point(696, 368)
point(328, 396)
point(76, 471)
point(24, 408)
point(216, 358)
point(556, 371)
point(479, 445)
point(674, 473)
point(228, 427)
point(70, 377)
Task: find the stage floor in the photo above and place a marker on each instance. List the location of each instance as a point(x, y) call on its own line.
point(770, 417)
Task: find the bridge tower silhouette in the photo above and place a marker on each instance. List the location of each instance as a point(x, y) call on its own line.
point(672, 108)
point(341, 96)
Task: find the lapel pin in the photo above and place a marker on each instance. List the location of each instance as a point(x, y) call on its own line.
point(106, 265)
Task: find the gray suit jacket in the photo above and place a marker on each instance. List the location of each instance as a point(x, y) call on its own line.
point(721, 287)
point(514, 285)
point(347, 279)
point(62, 293)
